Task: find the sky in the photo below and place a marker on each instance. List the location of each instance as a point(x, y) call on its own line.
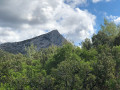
point(74, 19)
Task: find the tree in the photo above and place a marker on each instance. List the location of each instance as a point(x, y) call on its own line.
point(101, 39)
point(117, 40)
point(116, 54)
point(106, 34)
point(74, 75)
point(31, 50)
point(87, 44)
point(66, 52)
point(104, 71)
point(109, 28)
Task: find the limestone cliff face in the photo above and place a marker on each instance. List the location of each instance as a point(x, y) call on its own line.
point(42, 41)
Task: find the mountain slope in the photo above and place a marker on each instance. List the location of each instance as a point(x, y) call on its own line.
point(42, 41)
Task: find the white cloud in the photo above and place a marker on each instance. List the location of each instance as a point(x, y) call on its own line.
point(96, 1)
point(23, 19)
point(74, 3)
point(115, 19)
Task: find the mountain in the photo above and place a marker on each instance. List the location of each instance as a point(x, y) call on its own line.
point(42, 41)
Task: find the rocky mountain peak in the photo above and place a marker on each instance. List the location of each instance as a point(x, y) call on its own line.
point(42, 41)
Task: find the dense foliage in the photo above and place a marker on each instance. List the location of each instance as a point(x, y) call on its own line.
point(95, 66)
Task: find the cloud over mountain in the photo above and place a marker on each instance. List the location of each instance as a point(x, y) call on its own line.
point(23, 19)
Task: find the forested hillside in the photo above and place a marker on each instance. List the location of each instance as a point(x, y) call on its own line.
point(94, 66)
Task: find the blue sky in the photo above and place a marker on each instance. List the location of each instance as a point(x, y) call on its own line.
point(75, 19)
point(102, 10)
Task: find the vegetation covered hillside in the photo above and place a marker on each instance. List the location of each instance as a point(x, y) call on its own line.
point(95, 66)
